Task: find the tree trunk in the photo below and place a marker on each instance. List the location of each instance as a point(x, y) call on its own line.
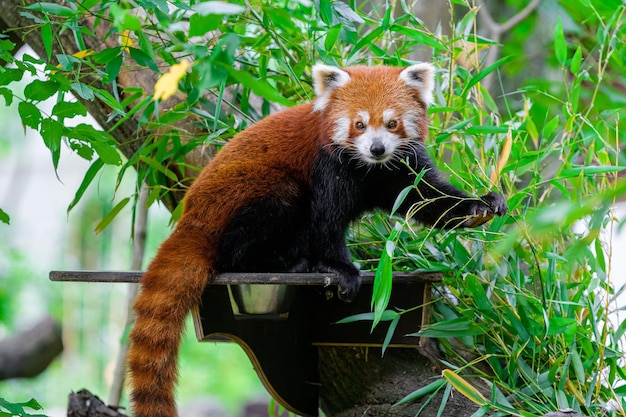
point(357, 381)
point(29, 352)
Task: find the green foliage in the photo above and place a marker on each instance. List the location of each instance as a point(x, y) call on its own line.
point(8, 409)
point(529, 295)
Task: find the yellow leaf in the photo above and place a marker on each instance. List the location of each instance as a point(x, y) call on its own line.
point(82, 54)
point(503, 159)
point(167, 85)
point(125, 40)
point(464, 387)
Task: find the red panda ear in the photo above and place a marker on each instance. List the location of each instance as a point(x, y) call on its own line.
point(325, 80)
point(420, 76)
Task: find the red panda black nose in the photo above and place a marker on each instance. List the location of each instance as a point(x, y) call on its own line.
point(377, 149)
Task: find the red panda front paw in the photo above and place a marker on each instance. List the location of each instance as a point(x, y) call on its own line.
point(348, 286)
point(487, 206)
point(349, 278)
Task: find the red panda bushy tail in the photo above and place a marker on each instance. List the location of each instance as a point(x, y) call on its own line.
point(171, 286)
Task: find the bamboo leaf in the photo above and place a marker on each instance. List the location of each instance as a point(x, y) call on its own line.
point(259, 87)
point(459, 327)
point(390, 332)
point(51, 8)
point(482, 74)
point(46, 37)
point(464, 387)
point(156, 165)
point(106, 220)
point(422, 392)
point(387, 315)
point(400, 199)
point(574, 65)
point(87, 179)
point(560, 46)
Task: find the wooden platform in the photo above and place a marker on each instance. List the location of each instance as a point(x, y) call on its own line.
point(282, 346)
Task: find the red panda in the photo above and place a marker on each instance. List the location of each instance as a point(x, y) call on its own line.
point(280, 196)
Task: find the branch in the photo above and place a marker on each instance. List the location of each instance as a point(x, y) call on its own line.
point(497, 29)
point(500, 28)
point(29, 352)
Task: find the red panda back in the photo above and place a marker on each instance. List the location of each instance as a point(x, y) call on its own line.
point(271, 159)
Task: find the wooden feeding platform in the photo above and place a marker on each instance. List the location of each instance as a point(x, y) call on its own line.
point(280, 320)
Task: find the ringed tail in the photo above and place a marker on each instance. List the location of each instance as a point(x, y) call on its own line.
point(171, 286)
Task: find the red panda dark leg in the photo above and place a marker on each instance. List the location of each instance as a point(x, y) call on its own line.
point(440, 204)
point(337, 200)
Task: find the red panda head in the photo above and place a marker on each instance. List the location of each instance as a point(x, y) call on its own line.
point(376, 113)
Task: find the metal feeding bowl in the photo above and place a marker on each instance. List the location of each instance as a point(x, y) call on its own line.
point(261, 298)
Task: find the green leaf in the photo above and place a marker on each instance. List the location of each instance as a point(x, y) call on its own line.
point(422, 37)
point(560, 46)
point(482, 74)
point(107, 55)
point(9, 75)
point(17, 409)
point(382, 286)
point(563, 326)
point(574, 65)
point(400, 199)
point(84, 91)
point(113, 67)
point(39, 90)
point(590, 170)
point(108, 152)
point(464, 387)
point(100, 141)
point(7, 94)
point(51, 8)
point(201, 24)
point(67, 110)
point(145, 44)
point(52, 132)
point(30, 114)
point(143, 59)
point(422, 392)
point(387, 315)
point(123, 20)
point(390, 332)
point(156, 165)
point(345, 14)
point(95, 167)
point(477, 293)
point(459, 327)
point(259, 87)
point(46, 37)
point(4, 217)
point(111, 215)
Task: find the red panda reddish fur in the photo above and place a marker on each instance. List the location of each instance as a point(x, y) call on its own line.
point(279, 197)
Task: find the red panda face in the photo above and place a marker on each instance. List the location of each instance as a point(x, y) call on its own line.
point(376, 114)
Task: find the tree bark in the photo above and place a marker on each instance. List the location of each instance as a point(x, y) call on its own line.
point(358, 381)
point(29, 352)
point(84, 404)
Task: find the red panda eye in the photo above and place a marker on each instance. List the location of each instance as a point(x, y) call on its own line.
point(359, 126)
point(392, 124)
